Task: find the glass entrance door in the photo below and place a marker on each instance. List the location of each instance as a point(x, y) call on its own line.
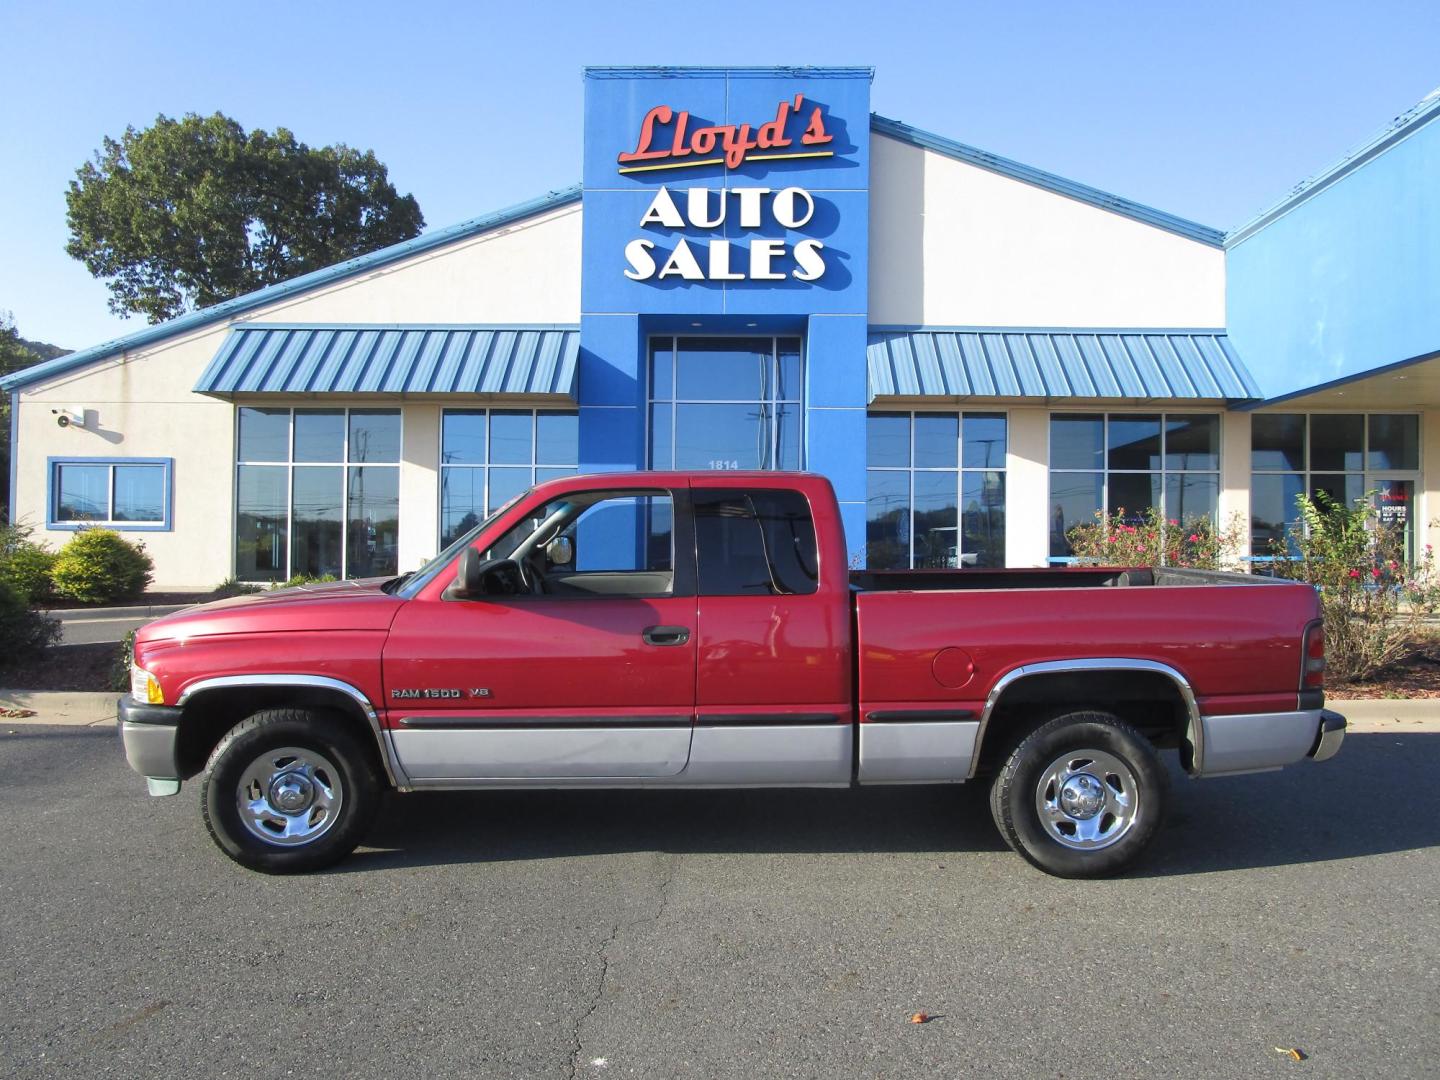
point(1394, 502)
point(725, 403)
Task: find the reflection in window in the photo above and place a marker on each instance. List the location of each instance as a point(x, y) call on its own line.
point(725, 403)
point(1105, 463)
point(1332, 457)
point(487, 456)
point(113, 493)
point(317, 493)
point(935, 490)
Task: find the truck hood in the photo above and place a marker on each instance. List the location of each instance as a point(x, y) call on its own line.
point(341, 605)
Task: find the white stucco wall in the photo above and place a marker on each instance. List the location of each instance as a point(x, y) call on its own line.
point(140, 404)
point(952, 244)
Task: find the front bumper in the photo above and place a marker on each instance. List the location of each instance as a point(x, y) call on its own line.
point(1254, 742)
point(149, 733)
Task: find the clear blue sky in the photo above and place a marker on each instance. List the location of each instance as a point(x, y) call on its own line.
point(1211, 111)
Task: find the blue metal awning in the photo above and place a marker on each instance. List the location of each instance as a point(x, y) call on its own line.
point(267, 358)
point(1000, 362)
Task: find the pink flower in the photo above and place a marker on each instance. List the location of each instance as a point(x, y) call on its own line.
point(1375, 571)
point(1173, 522)
point(1193, 538)
point(1354, 573)
point(1110, 539)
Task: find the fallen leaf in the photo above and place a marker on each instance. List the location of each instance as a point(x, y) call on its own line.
point(1293, 1053)
point(920, 1018)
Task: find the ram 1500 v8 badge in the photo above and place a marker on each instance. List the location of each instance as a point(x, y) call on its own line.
point(703, 629)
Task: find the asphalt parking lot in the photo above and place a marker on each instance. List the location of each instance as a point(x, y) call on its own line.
point(719, 934)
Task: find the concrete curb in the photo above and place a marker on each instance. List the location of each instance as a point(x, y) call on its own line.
point(92, 614)
point(78, 709)
point(61, 709)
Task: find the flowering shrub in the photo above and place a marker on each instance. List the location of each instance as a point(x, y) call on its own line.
point(1150, 540)
point(1373, 602)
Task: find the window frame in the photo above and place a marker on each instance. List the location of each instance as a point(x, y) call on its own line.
point(487, 465)
point(959, 470)
point(774, 402)
point(1368, 477)
point(290, 465)
point(1105, 471)
point(52, 494)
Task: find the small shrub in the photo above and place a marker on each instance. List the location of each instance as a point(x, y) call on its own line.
point(23, 633)
point(1372, 601)
point(99, 566)
point(120, 666)
point(25, 565)
point(1148, 539)
point(304, 579)
point(234, 587)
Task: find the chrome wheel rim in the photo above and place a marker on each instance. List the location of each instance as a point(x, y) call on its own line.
point(1087, 799)
point(290, 796)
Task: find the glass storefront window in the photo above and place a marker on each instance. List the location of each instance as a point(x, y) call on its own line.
point(489, 455)
point(935, 490)
point(317, 493)
point(725, 403)
point(1103, 464)
point(1337, 457)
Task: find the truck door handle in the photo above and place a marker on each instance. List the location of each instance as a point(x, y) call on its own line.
point(665, 635)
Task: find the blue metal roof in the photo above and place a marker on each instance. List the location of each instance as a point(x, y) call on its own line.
point(1049, 181)
point(271, 293)
point(1047, 362)
point(267, 358)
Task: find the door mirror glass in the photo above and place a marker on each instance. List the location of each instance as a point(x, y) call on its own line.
point(560, 551)
point(469, 575)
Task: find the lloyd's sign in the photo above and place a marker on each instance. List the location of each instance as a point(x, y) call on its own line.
point(669, 140)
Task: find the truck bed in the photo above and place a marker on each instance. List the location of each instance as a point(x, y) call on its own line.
point(1059, 577)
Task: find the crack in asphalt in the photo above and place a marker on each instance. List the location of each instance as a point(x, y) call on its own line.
point(663, 889)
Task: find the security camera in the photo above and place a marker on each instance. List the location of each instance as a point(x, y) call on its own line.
point(70, 415)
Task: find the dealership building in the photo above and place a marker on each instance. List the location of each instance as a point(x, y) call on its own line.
point(757, 272)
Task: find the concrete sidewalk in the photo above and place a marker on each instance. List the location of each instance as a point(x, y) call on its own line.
point(91, 709)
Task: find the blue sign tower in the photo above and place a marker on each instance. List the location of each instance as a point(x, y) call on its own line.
point(725, 208)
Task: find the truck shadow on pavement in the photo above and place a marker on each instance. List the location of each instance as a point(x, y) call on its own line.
point(1379, 795)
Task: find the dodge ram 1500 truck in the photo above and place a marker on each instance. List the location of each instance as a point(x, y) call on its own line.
point(705, 630)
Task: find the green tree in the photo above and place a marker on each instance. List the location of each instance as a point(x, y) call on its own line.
point(191, 212)
point(15, 353)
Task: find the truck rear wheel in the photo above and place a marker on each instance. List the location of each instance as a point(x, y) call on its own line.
point(289, 790)
point(1082, 796)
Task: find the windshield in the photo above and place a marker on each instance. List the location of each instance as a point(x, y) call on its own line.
point(420, 578)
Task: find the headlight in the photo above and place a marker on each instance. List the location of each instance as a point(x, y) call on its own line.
point(144, 687)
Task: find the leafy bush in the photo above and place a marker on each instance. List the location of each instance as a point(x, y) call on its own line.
point(234, 587)
point(304, 579)
point(119, 678)
point(1373, 603)
point(99, 566)
point(24, 565)
point(1148, 539)
point(23, 633)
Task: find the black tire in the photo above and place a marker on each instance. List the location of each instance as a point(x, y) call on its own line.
point(343, 783)
point(1091, 843)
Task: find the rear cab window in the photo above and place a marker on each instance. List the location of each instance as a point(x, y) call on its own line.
point(755, 543)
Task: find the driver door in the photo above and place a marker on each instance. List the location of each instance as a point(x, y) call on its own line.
point(587, 673)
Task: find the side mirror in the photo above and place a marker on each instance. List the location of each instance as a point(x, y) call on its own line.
point(560, 551)
point(469, 581)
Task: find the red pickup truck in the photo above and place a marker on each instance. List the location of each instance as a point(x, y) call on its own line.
point(705, 630)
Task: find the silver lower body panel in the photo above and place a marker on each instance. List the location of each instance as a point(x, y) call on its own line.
point(748, 755)
point(1252, 742)
point(924, 752)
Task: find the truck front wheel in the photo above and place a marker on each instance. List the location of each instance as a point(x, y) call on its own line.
point(289, 790)
point(1082, 796)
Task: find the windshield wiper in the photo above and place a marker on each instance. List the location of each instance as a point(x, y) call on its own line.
point(395, 582)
